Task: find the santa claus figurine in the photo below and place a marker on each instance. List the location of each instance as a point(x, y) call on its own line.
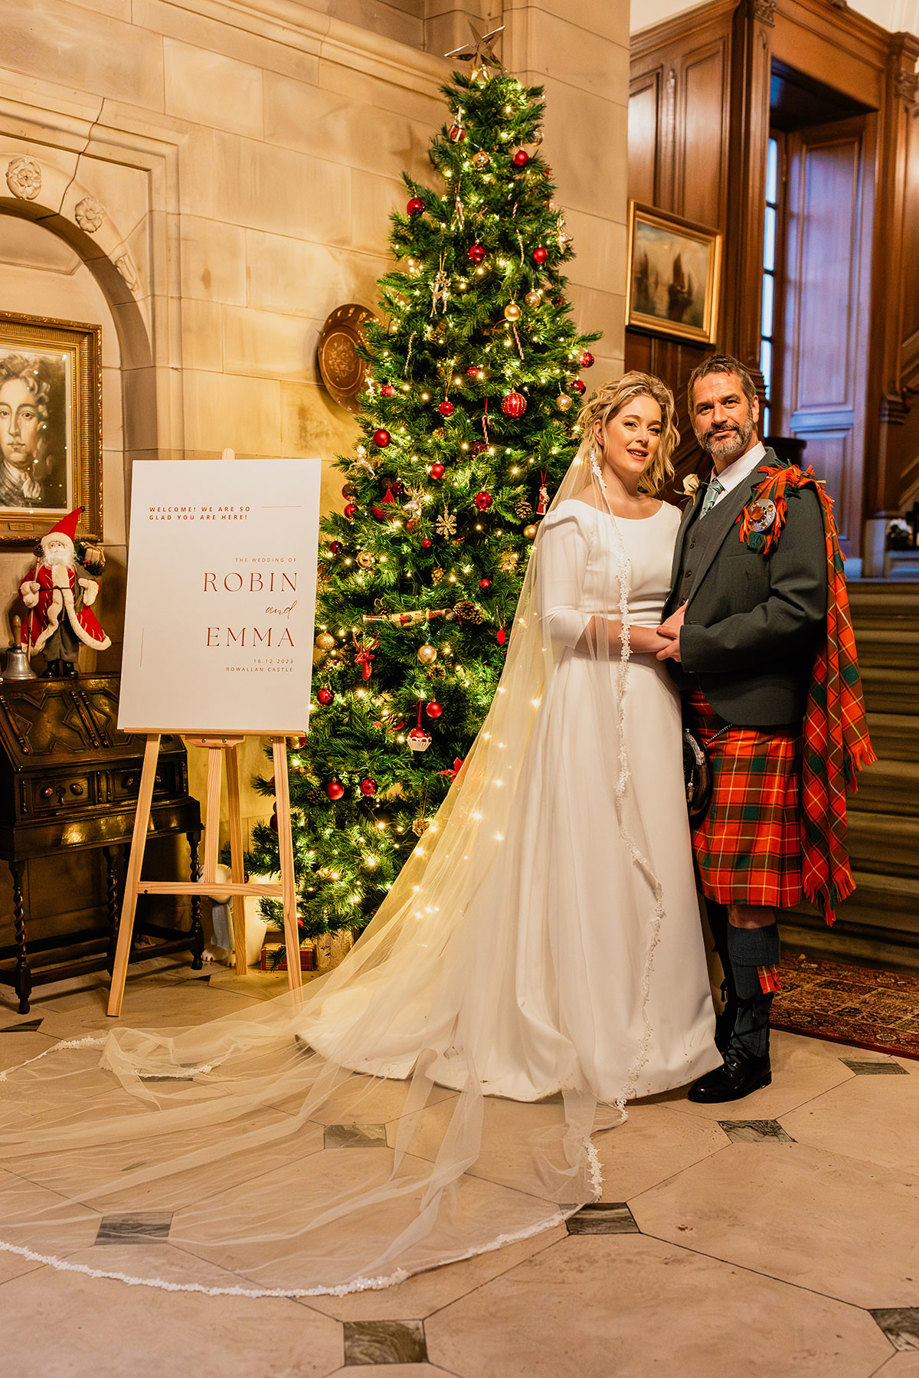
point(58, 598)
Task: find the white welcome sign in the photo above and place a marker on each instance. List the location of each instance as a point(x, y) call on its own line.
point(221, 596)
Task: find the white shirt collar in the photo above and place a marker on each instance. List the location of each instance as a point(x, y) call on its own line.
point(741, 469)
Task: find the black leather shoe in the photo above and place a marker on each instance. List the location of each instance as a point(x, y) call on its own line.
point(52, 670)
point(740, 1075)
point(68, 670)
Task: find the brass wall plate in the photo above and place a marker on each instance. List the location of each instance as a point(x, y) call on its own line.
point(341, 369)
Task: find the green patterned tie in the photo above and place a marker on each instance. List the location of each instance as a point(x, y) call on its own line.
point(713, 493)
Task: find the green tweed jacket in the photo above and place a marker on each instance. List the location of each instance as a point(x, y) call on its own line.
point(752, 620)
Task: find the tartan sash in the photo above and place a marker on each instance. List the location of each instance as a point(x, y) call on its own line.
point(835, 735)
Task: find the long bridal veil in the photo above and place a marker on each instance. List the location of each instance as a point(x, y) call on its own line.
point(426, 1100)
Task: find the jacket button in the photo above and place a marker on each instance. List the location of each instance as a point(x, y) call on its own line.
point(687, 573)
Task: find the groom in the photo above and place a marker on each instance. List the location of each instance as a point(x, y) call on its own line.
point(743, 620)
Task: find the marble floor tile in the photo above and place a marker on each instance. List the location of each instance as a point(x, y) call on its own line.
point(755, 1131)
point(800, 1214)
point(900, 1366)
point(384, 1342)
point(653, 1144)
point(874, 1118)
point(603, 1217)
point(20, 1047)
point(354, 1136)
point(428, 1292)
point(873, 1067)
point(94, 1328)
point(401, 1371)
point(137, 1227)
point(644, 1307)
point(900, 1324)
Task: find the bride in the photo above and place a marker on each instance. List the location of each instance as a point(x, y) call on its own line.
point(537, 964)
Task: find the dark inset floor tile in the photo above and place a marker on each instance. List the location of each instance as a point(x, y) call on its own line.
point(385, 1342)
point(900, 1324)
point(863, 1068)
point(27, 1026)
point(135, 1227)
point(603, 1217)
point(755, 1132)
point(355, 1136)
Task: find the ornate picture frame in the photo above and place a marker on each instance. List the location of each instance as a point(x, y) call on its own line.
point(50, 426)
point(674, 275)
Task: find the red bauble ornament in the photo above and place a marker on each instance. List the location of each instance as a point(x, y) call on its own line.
point(586, 359)
point(514, 404)
point(478, 447)
point(381, 438)
point(301, 742)
point(483, 501)
point(484, 585)
point(578, 385)
point(501, 636)
point(415, 206)
point(540, 255)
point(477, 252)
point(425, 543)
point(446, 407)
point(434, 710)
point(411, 524)
point(521, 158)
point(335, 789)
point(273, 820)
point(380, 513)
point(335, 547)
point(347, 490)
point(368, 787)
point(473, 371)
point(325, 697)
point(387, 390)
point(397, 487)
point(351, 511)
point(437, 471)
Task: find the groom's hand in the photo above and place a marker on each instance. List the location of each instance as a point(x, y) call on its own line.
point(671, 631)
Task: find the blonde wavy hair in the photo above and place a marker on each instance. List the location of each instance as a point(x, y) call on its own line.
point(613, 395)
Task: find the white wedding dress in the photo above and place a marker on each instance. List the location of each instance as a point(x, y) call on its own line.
point(538, 962)
point(559, 949)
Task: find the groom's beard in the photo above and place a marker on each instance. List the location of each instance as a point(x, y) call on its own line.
point(730, 446)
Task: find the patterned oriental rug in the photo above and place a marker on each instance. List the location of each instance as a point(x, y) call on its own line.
point(864, 1006)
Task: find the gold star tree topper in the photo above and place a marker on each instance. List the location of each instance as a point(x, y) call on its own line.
point(479, 51)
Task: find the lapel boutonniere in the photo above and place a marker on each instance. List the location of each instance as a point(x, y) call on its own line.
point(690, 485)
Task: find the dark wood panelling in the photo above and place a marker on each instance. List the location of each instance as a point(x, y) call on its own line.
point(645, 138)
point(702, 121)
point(829, 218)
point(910, 325)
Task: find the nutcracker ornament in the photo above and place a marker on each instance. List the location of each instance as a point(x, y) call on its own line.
point(59, 592)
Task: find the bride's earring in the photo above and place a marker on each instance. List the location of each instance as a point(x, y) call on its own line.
point(594, 457)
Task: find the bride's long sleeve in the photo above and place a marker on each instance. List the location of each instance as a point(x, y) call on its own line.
point(562, 561)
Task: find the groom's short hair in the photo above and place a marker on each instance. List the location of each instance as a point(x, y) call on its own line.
point(721, 363)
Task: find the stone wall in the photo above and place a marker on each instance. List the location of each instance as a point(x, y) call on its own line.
point(246, 157)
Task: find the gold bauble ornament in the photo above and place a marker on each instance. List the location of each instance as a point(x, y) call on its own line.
point(325, 642)
point(533, 299)
point(512, 311)
point(427, 654)
point(365, 559)
point(481, 159)
point(420, 826)
point(439, 433)
point(563, 402)
point(530, 532)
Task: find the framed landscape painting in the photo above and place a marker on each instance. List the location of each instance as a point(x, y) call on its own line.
point(674, 275)
point(50, 426)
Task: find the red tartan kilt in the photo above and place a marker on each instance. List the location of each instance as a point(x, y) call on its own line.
point(749, 846)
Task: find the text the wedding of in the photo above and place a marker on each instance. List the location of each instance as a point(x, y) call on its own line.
point(221, 596)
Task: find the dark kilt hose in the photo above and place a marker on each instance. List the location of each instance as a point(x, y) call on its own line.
point(749, 845)
point(767, 661)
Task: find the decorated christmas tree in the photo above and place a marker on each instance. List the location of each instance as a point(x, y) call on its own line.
point(467, 426)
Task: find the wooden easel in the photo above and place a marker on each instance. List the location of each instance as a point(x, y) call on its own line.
point(220, 747)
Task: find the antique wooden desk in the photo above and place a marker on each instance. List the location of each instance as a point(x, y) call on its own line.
point(69, 780)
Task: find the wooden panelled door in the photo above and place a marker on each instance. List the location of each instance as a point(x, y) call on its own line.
point(829, 211)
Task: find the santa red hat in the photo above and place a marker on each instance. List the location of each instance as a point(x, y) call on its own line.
point(66, 527)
